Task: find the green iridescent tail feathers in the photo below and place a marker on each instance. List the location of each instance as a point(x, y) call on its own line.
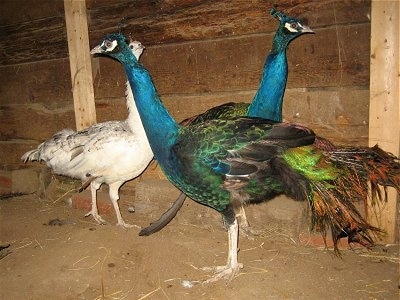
point(341, 177)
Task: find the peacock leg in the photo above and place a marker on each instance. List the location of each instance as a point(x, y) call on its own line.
point(243, 223)
point(94, 212)
point(232, 266)
point(244, 226)
point(114, 196)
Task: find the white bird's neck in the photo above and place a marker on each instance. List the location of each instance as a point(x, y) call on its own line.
point(133, 120)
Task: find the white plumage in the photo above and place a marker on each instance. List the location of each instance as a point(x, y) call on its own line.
point(111, 152)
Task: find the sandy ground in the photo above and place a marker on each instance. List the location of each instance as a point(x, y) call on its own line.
point(82, 260)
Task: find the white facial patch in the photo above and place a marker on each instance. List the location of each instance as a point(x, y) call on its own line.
point(110, 46)
point(289, 27)
point(137, 48)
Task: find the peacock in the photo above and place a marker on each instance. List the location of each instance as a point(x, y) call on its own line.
point(225, 163)
point(267, 102)
point(111, 152)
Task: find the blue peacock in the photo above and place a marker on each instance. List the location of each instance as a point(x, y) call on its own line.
point(267, 102)
point(225, 163)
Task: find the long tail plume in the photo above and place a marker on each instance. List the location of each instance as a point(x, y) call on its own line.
point(342, 177)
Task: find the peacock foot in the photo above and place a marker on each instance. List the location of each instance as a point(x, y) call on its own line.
point(126, 225)
point(227, 272)
point(232, 266)
point(249, 232)
point(96, 217)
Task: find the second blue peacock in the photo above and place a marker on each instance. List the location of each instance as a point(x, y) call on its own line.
point(267, 102)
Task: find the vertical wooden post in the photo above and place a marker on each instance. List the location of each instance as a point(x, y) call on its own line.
point(384, 120)
point(80, 63)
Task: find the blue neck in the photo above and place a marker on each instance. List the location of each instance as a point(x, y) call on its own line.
point(161, 129)
point(267, 103)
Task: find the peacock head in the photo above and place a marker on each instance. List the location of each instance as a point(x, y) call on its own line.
point(289, 28)
point(116, 46)
point(136, 48)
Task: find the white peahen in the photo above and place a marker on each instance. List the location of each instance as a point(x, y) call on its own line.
point(111, 152)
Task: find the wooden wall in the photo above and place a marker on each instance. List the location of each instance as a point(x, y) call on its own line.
point(199, 53)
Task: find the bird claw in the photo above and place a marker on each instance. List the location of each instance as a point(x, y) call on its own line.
point(96, 217)
point(223, 272)
point(248, 232)
point(127, 226)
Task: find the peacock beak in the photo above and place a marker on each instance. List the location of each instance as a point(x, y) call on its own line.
point(306, 29)
point(96, 50)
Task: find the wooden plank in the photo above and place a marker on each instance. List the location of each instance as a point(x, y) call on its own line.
point(45, 82)
point(340, 115)
point(44, 122)
point(384, 126)
point(80, 63)
point(11, 152)
point(33, 40)
point(20, 11)
point(160, 22)
point(39, 33)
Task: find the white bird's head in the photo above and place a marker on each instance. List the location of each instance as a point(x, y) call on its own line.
point(137, 48)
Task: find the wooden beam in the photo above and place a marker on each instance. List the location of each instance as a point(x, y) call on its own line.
point(80, 63)
point(384, 120)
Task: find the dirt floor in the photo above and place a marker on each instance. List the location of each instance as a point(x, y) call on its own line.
point(78, 259)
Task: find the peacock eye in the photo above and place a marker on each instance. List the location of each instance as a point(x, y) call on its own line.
point(293, 27)
point(108, 44)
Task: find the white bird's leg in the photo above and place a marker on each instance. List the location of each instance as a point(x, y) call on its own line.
point(232, 266)
point(114, 196)
point(94, 212)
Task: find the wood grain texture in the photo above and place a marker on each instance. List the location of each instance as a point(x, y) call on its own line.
point(41, 36)
point(20, 11)
point(160, 22)
point(384, 126)
point(80, 63)
point(34, 40)
point(36, 122)
point(11, 152)
point(45, 82)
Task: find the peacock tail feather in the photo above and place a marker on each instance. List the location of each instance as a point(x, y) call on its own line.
point(338, 179)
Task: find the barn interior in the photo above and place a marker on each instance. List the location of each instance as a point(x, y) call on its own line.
point(342, 82)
